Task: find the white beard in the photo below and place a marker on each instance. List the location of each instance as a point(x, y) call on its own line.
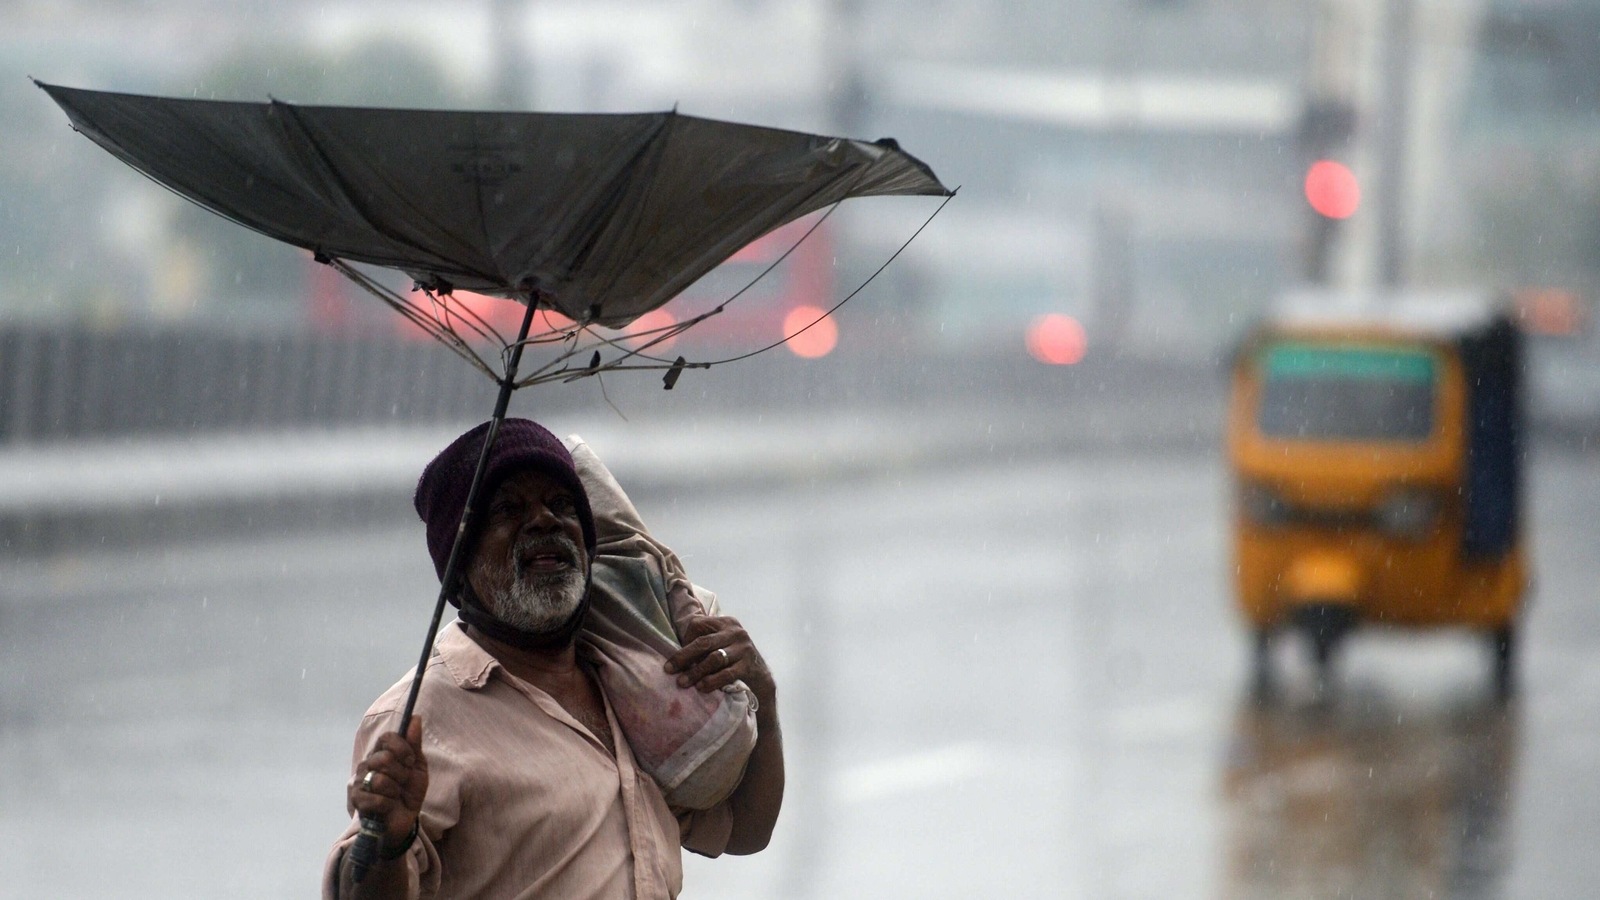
point(534, 603)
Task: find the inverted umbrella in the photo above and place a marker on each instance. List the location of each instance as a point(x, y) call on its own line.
point(598, 217)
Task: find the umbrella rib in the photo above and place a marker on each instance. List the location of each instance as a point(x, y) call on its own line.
point(668, 331)
point(406, 308)
point(848, 297)
point(573, 374)
point(661, 333)
point(559, 360)
point(440, 332)
point(450, 307)
point(438, 325)
point(775, 263)
point(544, 373)
point(554, 335)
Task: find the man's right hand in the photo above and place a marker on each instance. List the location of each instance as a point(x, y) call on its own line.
point(394, 792)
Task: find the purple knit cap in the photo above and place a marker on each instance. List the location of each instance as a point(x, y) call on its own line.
point(521, 444)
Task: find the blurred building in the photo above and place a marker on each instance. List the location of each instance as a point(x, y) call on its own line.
point(1134, 164)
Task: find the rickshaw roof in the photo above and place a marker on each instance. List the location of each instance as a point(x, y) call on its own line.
point(1427, 315)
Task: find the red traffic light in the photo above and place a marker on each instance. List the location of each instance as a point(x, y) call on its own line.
point(1332, 189)
point(1057, 340)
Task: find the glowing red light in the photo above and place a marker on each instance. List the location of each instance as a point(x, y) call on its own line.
point(1057, 340)
point(652, 326)
point(816, 341)
point(1332, 189)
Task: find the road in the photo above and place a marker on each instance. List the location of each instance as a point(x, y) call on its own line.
point(1006, 679)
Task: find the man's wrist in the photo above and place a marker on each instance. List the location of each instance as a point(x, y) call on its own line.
point(767, 710)
point(390, 853)
point(763, 687)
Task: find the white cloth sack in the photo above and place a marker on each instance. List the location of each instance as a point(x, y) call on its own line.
point(695, 745)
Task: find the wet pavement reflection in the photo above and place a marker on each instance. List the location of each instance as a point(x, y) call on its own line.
point(1369, 795)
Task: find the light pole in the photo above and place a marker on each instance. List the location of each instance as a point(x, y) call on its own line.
point(512, 83)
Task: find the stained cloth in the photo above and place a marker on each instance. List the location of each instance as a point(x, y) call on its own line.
point(695, 745)
point(522, 800)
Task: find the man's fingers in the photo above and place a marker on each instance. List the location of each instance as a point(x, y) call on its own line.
point(719, 654)
point(699, 629)
point(702, 655)
point(395, 814)
point(396, 767)
point(716, 681)
point(379, 783)
point(374, 805)
point(400, 749)
point(385, 780)
point(391, 783)
point(694, 652)
point(718, 668)
point(700, 626)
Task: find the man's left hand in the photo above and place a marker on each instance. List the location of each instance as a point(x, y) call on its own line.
point(718, 651)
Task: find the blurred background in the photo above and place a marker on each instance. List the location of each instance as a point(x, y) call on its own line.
point(979, 519)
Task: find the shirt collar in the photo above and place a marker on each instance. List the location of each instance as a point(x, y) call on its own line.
point(470, 665)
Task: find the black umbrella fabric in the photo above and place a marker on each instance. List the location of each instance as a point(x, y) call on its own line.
point(603, 217)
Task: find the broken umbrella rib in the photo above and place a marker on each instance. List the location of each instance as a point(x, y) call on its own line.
point(429, 325)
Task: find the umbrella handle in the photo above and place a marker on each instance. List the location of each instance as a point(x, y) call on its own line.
point(365, 850)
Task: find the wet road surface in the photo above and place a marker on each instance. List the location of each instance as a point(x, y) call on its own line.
point(1010, 680)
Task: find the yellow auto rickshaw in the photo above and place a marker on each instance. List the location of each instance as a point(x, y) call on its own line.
point(1378, 470)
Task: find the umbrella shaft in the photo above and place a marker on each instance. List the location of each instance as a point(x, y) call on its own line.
point(365, 850)
point(469, 516)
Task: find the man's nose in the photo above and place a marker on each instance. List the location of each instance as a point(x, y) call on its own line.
point(541, 519)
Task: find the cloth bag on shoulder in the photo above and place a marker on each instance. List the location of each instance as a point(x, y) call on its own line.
point(695, 745)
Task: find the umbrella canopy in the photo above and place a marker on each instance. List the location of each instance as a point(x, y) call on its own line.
point(601, 217)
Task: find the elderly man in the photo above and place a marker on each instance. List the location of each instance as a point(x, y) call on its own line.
point(514, 779)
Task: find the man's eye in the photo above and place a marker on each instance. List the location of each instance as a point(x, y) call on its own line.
point(563, 504)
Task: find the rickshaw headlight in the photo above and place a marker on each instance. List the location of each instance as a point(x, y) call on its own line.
point(1409, 513)
point(1262, 505)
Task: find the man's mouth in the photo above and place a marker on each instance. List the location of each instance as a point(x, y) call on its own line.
point(545, 559)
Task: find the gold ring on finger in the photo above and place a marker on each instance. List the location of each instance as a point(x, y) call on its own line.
point(366, 783)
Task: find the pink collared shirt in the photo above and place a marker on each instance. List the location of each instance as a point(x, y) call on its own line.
point(522, 800)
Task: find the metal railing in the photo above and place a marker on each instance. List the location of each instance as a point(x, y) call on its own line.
point(72, 382)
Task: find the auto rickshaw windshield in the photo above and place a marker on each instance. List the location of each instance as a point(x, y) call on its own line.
point(1346, 392)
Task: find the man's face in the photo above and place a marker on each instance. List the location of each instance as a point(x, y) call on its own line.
point(530, 567)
